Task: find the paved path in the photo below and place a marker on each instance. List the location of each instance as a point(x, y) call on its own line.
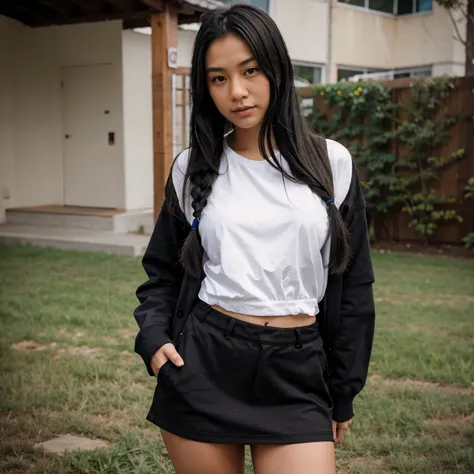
point(75, 239)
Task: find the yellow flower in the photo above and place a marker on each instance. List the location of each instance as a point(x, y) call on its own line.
point(321, 93)
point(359, 89)
point(339, 93)
point(356, 92)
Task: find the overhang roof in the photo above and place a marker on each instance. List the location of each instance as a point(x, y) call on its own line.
point(134, 13)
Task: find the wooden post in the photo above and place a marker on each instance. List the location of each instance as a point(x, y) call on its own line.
point(164, 27)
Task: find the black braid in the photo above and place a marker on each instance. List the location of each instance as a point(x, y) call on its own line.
point(201, 187)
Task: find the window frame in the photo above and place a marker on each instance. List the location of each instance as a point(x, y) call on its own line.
point(233, 2)
point(405, 70)
point(366, 8)
point(359, 69)
point(320, 66)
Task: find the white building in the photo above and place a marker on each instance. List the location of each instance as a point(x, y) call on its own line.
point(76, 100)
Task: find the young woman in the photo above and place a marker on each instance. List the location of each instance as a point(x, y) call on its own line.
point(258, 314)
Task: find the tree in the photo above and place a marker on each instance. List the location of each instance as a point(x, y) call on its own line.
point(462, 11)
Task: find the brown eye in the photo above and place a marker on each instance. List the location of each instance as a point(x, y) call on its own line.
point(218, 79)
point(252, 70)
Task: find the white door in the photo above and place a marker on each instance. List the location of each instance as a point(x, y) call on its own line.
point(91, 153)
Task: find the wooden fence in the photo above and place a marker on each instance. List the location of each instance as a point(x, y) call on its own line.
point(452, 180)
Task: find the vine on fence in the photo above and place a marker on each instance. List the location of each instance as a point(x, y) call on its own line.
point(366, 120)
point(423, 130)
point(469, 194)
point(362, 109)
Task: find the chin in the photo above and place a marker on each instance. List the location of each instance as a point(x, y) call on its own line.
point(247, 124)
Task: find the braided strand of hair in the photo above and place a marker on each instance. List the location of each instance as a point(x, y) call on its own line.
point(201, 188)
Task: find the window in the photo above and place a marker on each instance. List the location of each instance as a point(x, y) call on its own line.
point(414, 72)
point(263, 4)
point(357, 3)
point(307, 74)
point(386, 6)
point(381, 5)
point(345, 73)
point(394, 7)
point(408, 7)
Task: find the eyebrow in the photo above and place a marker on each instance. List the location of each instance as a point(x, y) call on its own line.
point(243, 63)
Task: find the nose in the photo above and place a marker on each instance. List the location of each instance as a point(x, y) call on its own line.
point(238, 91)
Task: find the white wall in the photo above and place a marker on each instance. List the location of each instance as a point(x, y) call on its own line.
point(185, 47)
point(137, 116)
point(31, 116)
point(31, 155)
point(376, 40)
point(304, 26)
point(6, 114)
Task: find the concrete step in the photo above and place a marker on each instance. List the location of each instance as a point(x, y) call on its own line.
point(90, 240)
point(127, 221)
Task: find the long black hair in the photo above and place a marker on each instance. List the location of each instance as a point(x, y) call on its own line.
point(283, 122)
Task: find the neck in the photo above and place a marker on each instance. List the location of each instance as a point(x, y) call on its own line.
point(245, 139)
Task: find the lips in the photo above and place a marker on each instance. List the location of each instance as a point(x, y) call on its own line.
point(243, 109)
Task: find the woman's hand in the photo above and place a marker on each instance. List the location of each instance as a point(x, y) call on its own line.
point(162, 355)
point(339, 429)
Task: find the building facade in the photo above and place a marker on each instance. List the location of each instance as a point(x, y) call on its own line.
point(331, 40)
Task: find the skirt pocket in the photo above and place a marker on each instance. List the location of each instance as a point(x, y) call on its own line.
point(163, 369)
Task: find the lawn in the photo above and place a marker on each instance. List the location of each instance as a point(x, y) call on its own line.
point(67, 366)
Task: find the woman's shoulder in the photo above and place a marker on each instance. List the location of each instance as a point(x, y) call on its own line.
point(178, 177)
point(341, 166)
point(339, 155)
point(180, 164)
point(179, 168)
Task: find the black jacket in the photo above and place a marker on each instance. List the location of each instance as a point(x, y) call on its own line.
point(346, 316)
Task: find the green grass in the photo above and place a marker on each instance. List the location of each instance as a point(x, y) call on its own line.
point(415, 415)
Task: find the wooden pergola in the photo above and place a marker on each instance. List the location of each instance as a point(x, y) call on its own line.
point(163, 16)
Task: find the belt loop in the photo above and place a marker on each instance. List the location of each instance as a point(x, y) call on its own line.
point(230, 328)
point(298, 344)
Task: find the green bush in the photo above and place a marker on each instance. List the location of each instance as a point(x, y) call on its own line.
point(364, 118)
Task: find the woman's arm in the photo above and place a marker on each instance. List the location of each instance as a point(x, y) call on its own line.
point(159, 294)
point(350, 295)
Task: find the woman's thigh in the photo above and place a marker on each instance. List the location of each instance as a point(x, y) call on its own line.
point(194, 457)
point(300, 458)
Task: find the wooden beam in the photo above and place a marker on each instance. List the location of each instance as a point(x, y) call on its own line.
point(186, 19)
point(136, 23)
point(91, 6)
point(90, 18)
point(62, 7)
point(122, 5)
point(19, 15)
point(164, 27)
point(157, 5)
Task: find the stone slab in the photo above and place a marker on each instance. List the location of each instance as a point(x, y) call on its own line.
point(75, 239)
point(64, 443)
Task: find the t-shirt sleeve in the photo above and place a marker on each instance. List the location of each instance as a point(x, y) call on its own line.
point(178, 171)
point(341, 166)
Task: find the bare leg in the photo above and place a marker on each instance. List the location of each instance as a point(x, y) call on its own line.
point(301, 458)
point(194, 457)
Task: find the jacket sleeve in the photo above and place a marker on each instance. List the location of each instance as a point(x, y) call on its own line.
point(353, 337)
point(159, 294)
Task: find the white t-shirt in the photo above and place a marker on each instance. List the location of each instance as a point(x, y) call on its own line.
point(263, 235)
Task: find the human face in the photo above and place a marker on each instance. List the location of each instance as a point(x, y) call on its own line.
point(237, 85)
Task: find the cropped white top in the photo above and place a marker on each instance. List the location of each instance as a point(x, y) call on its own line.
point(264, 236)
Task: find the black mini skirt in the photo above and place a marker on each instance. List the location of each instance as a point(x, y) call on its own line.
point(244, 383)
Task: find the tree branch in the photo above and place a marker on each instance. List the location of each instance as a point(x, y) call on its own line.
point(458, 33)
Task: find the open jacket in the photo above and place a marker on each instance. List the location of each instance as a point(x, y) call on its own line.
point(346, 316)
